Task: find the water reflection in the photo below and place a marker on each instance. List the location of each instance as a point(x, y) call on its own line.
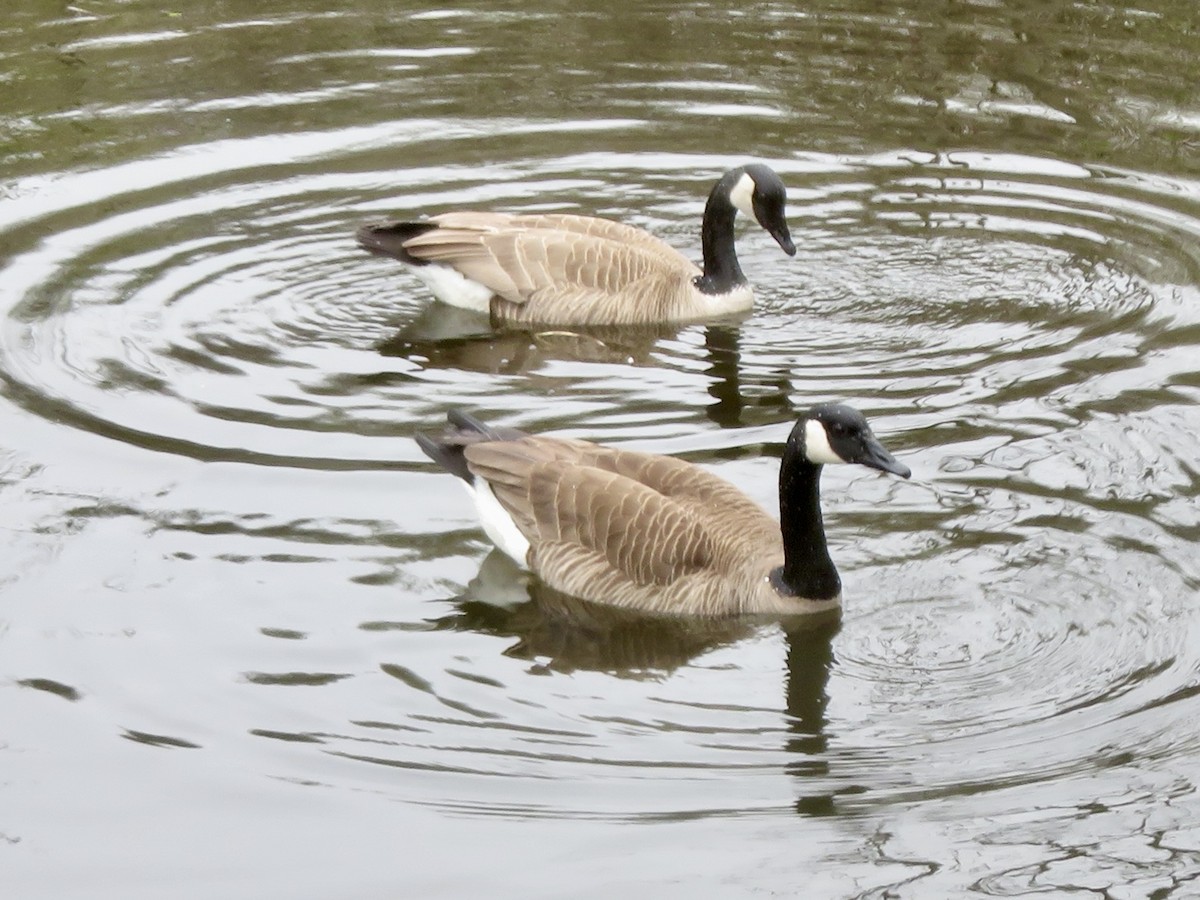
point(997, 211)
point(733, 390)
point(445, 337)
point(561, 634)
point(564, 634)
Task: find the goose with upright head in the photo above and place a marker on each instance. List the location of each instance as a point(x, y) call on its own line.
point(553, 269)
point(656, 533)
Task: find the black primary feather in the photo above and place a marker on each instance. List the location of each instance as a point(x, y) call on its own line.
point(388, 240)
point(447, 449)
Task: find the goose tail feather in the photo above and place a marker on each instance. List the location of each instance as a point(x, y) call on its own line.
point(389, 239)
point(448, 449)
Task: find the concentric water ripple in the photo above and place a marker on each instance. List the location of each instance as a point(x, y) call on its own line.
point(1019, 621)
point(241, 319)
point(241, 616)
point(1023, 332)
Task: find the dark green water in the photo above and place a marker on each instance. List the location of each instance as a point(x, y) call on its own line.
point(253, 645)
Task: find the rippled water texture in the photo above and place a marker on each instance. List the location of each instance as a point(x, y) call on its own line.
point(252, 644)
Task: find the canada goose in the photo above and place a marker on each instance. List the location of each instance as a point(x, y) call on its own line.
point(580, 270)
point(657, 533)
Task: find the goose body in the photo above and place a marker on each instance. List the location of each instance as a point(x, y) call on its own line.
point(553, 269)
point(656, 533)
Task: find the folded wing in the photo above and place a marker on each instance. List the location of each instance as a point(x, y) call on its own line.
point(609, 519)
point(547, 266)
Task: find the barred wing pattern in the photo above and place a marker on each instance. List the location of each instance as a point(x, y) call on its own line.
point(627, 528)
point(548, 268)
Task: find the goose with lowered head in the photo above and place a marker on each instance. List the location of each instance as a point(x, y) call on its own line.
point(555, 269)
point(656, 533)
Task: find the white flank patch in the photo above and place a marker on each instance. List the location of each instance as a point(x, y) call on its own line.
point(449, 286)
point(816, 444)
point(498, 524)
point(742, 195)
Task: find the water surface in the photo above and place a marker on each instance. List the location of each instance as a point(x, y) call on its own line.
point(253, 644)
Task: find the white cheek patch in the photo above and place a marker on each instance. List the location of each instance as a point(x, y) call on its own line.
point(816, 444)
point(742, 195)
point(498, 524)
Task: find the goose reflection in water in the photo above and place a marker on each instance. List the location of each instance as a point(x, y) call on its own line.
point(443, 337)
point(565, 634)
point(562, 634)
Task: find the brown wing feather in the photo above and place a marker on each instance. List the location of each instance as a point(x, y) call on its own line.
point(707, 494)
point(549, 262)
point(653, 299)
point(645, 520)
point(642, 534)
point(587, 225)
point(580, 572)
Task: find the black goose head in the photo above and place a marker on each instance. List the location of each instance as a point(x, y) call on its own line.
point(835, 433)
point(759, 193)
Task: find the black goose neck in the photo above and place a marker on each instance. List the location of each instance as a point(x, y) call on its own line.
point(721, 270)
point(807, 570)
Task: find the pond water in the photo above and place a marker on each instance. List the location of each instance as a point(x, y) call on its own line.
point(252, 643)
